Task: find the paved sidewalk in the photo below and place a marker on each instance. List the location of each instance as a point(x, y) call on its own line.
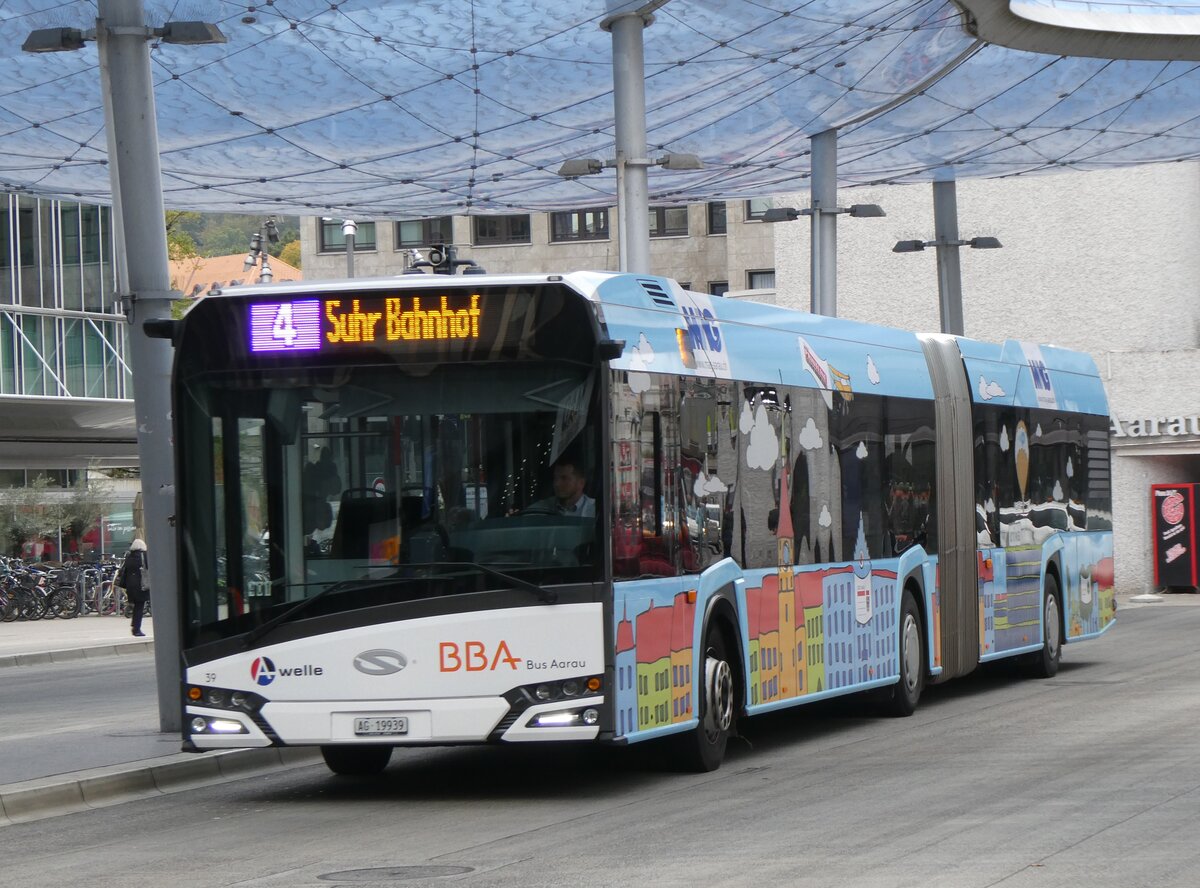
point(53, 641)
point(68, 642)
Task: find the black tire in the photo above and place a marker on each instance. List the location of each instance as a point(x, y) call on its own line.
point(906, 693)
point(702, 749)
point(1044, 663)
point(32, 607)
point(356, 760)
point(65, 602)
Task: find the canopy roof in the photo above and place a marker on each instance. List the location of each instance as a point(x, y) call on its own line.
point(394, 108)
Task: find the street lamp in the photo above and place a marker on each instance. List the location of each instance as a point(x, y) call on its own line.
point(143, 277)
point(790, 214)
point(632, 197)
point(589, 166)
point(975, 243)
point(269, 232)
point(823, 269)
point(70, 39)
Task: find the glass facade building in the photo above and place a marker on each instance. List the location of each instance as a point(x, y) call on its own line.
point(61, 330)
point(65, 385)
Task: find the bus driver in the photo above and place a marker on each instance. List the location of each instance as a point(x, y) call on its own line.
point(569, 499)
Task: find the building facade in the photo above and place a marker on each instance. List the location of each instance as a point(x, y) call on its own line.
point(65, 386)
point(713, 248)
point(1104, 262)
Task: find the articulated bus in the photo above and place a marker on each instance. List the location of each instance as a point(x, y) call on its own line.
point(435, 509)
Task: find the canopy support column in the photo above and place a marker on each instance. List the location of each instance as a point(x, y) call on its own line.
point(949, 269)
point(629, 111)
point(128, 94)
point(823, 186)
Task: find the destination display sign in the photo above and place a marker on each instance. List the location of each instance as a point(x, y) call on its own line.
point(359, 321)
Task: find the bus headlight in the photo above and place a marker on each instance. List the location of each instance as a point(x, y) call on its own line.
point(214, 725)
point(222, 698)
point(549, 691)
point(566, 718)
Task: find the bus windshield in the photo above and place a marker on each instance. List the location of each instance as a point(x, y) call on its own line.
point(373, 484)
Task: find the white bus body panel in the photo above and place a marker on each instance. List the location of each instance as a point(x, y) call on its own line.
point(446, 674)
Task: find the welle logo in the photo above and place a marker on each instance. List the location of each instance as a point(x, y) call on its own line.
point(263, 671)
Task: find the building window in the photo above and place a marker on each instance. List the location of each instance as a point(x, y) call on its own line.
point(668, 221)
point(333, 241)
point(501, 229)
point(757, 208)
point(577, 225)
point(424, 232)
point(718, 288)
point(686, 285)
point(761, 280)
point(716, 217)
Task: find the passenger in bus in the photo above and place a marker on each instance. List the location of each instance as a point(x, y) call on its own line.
point(569, 481)
point(321, 481)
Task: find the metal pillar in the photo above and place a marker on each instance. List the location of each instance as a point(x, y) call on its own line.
point(349, 229)
point(949, 270)
point(129, 106)
point(629, 111)
point(823, 184)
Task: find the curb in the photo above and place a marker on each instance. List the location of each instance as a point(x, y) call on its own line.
point(71, 654)
point(46, 797)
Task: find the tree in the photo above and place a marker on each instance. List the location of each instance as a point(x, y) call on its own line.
point(85, 504)
point(291, 253)
point(28, 513)
point(180, 242)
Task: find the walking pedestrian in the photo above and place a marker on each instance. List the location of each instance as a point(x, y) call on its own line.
point(134, 578)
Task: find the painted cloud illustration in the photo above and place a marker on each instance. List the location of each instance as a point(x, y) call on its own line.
point(706, 485)
point(872, 371)
point(825, 520)
point(989, 390)
point(810, 436)
point(642, 355)
point(764, 445)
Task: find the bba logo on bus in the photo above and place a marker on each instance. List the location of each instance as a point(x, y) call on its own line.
point(263, 671)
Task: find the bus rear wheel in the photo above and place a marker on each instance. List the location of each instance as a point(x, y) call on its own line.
point(906, 693)
point(1044, 663)
point(703, 748)
point(356, 760)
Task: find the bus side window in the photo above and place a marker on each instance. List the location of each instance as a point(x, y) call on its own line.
point(701, 488)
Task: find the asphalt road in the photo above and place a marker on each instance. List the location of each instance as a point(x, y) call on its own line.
point(52, 714)
point(1089, 779)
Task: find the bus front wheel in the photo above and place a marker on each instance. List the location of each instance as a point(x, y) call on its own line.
point(703, 748)
point(356, 760)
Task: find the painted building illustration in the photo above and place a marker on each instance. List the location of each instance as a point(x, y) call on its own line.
point(626, 663)
point(653, 645)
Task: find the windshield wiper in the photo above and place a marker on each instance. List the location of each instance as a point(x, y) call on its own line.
point(549, 596)
point(344, 586)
